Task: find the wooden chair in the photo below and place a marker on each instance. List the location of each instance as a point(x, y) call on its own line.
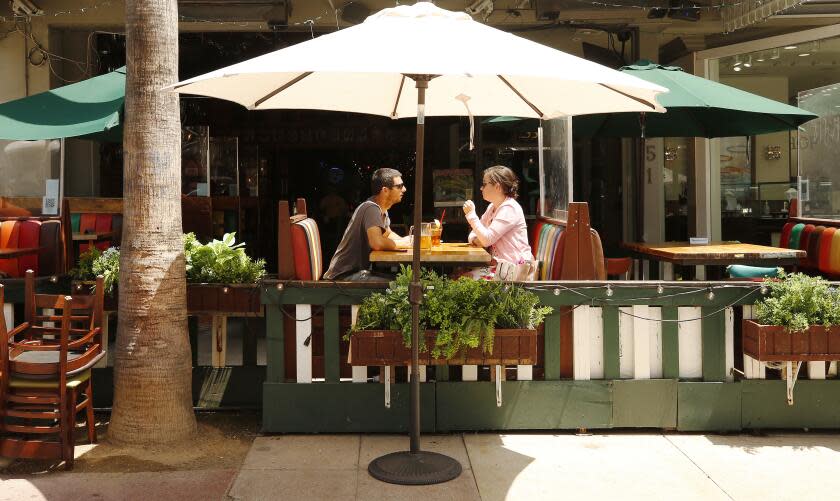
point(45, 374)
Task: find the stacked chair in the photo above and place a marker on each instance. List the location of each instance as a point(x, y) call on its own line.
point(45, 373)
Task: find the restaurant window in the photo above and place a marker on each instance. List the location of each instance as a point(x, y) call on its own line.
point(195, 154)
point(557, 161)
point(679, 158)
point(31, 173)
point(818, 150)
point(759, 175)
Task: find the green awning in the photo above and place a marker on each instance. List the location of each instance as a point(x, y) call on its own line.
point(91, 109)
point(696, 107)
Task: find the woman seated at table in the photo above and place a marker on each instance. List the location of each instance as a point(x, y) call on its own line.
point(502, 228)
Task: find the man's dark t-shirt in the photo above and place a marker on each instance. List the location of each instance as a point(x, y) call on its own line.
point(353, 253)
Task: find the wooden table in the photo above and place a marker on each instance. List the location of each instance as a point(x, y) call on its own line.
point(92, 236)
point(713, 254)
point(446, 253)
point(13, 253)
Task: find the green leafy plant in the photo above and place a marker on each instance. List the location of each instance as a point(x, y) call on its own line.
point(465, 312)
point(94, 262)
point(221, 261)
point(796, 301)
point(218, 262)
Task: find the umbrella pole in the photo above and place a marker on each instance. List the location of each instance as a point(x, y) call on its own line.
point(416, 467)
point(415, 291)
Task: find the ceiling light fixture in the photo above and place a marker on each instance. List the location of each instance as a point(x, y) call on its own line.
point(737, 68)
point(805, 54)
point(748, 62)
point(790, 47)
point(775, 54)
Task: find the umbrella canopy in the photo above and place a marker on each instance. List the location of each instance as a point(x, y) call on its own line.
point(697, 107)
point(480, 71)
point(418, 61)
point(91, 108)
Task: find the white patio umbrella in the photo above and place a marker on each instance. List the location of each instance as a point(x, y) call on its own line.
point(417, 61)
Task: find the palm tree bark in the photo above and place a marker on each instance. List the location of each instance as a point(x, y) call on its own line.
point(153, 365)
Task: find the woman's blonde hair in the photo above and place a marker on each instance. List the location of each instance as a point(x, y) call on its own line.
point(504, 177)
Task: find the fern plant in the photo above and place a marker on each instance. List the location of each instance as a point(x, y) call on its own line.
point(796, 301)
point(465, 312)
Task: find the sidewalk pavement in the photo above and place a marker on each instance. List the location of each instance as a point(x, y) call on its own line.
point(527, 466)
point(551, 466)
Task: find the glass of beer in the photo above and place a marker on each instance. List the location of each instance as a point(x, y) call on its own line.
point(425, 236)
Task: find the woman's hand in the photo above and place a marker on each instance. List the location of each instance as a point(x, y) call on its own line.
point(469, 207)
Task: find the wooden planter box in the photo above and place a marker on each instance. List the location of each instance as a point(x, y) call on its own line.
point(218, 298)
point(110, 301)
point(204, 298)
point(773, 343)
point(375, 347)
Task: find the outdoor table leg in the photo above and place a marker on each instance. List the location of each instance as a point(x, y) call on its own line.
point(667, 271)
point(9, 314)
point(219, 333)
point(105, 337)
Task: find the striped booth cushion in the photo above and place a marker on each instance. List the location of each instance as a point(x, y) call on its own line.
point(306, 248)
point(547, 246)
point(26, 233)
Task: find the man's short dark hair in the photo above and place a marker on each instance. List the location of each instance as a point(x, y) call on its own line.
point(383, 178)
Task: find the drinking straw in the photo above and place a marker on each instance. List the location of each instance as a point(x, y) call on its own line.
point(442, 215)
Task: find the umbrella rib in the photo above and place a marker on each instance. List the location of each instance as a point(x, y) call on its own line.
point(634, 98)
point(282, 88)
point(529, 103)
point(399, 94)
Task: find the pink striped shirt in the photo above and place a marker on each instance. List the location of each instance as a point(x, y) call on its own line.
point(503, 230)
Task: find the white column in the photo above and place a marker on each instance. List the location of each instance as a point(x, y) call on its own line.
point(753, 369)
point(641, 342)
point(655, 346)
point(359, 372)
point(596, 343)
point(691, 342)
point(625, 343)
point(303, 352)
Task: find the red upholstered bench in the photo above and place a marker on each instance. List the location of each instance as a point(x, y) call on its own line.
point(44, 235)
point(819, 238)
point(299, 244)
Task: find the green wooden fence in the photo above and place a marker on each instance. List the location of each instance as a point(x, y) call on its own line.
point(646, 354)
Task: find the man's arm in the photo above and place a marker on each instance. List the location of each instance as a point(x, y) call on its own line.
point(378, 241)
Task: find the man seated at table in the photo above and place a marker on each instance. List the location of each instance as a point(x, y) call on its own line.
point(369, 230)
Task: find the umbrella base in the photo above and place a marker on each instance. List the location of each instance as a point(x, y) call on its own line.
point(414, 468)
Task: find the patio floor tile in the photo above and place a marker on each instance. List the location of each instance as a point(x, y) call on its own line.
point(302, 452)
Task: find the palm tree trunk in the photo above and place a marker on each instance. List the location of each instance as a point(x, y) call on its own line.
point(153, 368)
